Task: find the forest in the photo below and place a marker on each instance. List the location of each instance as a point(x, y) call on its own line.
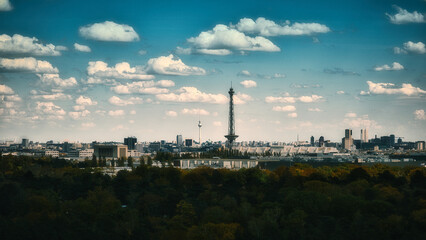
point(45, 198)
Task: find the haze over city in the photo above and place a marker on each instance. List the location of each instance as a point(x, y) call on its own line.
point(101, 71)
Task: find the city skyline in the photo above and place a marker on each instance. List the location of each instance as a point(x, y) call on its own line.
point(154, 70)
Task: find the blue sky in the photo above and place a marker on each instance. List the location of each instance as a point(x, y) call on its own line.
point(299, 68)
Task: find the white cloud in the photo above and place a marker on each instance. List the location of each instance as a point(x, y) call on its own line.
point(120, 70)
point(50, 109)
point(288, 108)
point(395, 67)
point(389, 88)
point(27, 64)
point(78, 115)
point(266, 27)
point(314, 110)
point(12, 98)
point(82, 48)
point(420, 114)
point(361, 122)
point(222, 38)
point(95, 80)
point(61, 48)
point(87, 101)
point(287, 99)
point(244, 73)
point(171, 65)
point(248, 83)
point(18, 44)
point(52, 97)
point(195, 111)
point(133, 112)
point(142, 52)
point(192, 94)
point(79, 107)
point(411, 47)
point(171, 113)
point(217, 123)
point(5, 5)
point(340, 92)
point(403, 16)
point(54, 80)
point(116, 113)
point(292, 115)
point(88, 125)
point(350, 115)
point(109, 31)
point(218, 52)
point(114, 100)
point(5, 89)
point(242, 98)
point(143, 87)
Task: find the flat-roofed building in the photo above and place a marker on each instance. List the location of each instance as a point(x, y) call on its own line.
point(110, 151)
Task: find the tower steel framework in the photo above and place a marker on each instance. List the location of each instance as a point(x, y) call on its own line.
point(231, 125)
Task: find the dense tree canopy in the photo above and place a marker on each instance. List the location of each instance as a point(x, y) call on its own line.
point(48, 198)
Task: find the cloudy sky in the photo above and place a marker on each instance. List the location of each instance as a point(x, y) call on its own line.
point(84, 71)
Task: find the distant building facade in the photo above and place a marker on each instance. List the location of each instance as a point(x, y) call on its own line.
point(110, 151)
point(130, 142)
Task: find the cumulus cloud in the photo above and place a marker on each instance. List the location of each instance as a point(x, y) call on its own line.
point(420, 114)
point(340, 71)
point(187, 51)
point(29, 64)
point(142, 52)
point(52, 96)
point(116, 113)
point(78, 115)
point(314, 110)
point(50, 109)
point(11, 98)
point(288, 108)
point(350, 115)
point(361, 122)
point(171, 113)
point(248, 83)
point(266, 27)
point(192, 94)
point(86, 101)
point(195, 111)
point(109, 31)
point(403, 16)
point(288, 99)
point(390, 89)
point(242, 98)
point(222, 37)
point(55, 81)
point(292, 115)
point(5, 5)
point(246, 73)
point(411, 47)
point(171, 65)
point(143, 87)
point(120, 70)
point(395, 67)
point(82, 48)
point(114, 100)
point(18, 44)
point(5, 89)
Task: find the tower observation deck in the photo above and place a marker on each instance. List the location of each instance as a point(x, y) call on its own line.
point(231, 127)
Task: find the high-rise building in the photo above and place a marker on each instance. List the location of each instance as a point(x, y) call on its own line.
point(364, 135)
point(130, 142)
point(199, 131)
point(188, 142)
point(25, 142)
point(347, 141)
point(179, 140)
point(231, 125)
point(312, 141)
point(321, 141)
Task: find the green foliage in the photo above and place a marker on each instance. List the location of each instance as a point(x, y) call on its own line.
point(45, 198)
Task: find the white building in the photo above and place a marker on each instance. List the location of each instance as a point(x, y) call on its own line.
point(86, 153)
point(51, 153)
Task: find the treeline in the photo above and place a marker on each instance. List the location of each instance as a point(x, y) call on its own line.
point(52, 199)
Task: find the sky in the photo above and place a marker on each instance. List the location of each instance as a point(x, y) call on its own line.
point(104, 70)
